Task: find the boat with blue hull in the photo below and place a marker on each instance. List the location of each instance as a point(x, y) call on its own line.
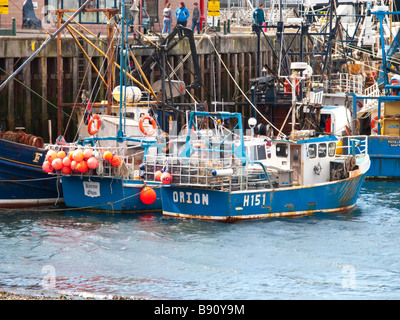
point(109, 195)
point(22, 180)
point(219, 181)
point(189, 202)
point(375, 113)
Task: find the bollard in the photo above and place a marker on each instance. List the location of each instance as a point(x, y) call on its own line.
point(14, 28)
point(229, 26)
point(225, 28)
point(219, 26)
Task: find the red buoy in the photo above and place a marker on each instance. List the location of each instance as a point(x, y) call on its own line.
point(87, 153)
point(158, 175)
point(78, 155)
point(116, 161)
point(148, 195)
point(51, 155)
point(66, 162)
point(66, 170)
point(82, 166)
point(46, 166)
point(74, 165)
point(92, 163)
point(166, 178)
point(61, 154)
point(57, 164)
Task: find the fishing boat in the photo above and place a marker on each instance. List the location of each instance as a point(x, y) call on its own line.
point(22, 180)
point(218, 180)
point(380, 114)
point(372, 114)
point(102, 170)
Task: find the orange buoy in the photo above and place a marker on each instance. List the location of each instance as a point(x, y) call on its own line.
point(166, 178)
point(158, 174)
point(108, 155)
point(82, 166)
point(46, 166)
point(66, 170)
point(92, 163)
point(78, 155)
point(87, 153)
point(61, 154)
point(74, 165)
point(148, 195)
point(66, 162)
point(57, 164)
point(51, 155)
point(116, 161)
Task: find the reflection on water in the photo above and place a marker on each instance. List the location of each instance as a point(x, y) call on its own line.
point(321, 256)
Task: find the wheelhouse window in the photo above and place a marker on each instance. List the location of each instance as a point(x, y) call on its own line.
point(257, 152)
point(322, 150)
point(312, 151)
point(281, 150)
point(295, 153)
point(331, 149)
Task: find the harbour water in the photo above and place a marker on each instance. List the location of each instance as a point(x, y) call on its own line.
point(322, 256)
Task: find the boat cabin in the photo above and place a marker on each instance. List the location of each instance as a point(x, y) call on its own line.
point(309, 160)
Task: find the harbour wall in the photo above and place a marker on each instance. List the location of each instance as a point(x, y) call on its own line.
point(227, 63)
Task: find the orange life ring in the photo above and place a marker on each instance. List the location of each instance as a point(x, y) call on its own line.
point(94, 130)
point(374, 127)
point(153, 123)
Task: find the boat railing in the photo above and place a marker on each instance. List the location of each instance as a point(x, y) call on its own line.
point(372, 91)
point(347, 83)
point(353, 145)
point(222, 174)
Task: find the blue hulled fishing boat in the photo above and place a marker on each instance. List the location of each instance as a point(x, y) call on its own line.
point(217, 179)
point(22, 180)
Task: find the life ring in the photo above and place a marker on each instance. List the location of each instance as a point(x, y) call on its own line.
point(166, 148)
point(153, 123)
point(92, 131)
point(374, 127)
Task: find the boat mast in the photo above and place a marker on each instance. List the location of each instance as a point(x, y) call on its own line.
point(12, 76)
point(122, 76)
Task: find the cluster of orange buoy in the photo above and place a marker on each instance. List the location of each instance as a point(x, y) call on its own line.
point(76, 161)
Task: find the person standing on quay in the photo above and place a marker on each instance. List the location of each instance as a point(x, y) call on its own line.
point(196, 17)
point(182, 14)
point(258, 15)
point(167, 13)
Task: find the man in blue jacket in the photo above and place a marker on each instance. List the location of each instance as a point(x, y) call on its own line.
point(258, 15)
point(182, 14)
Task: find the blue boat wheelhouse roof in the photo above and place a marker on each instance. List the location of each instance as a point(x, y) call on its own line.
point(311, 140)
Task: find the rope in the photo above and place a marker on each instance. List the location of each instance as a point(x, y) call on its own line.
point(240, 89)
point(87, 207)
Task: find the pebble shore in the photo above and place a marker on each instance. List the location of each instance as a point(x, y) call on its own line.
point(11, 296)
point(4, 295)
